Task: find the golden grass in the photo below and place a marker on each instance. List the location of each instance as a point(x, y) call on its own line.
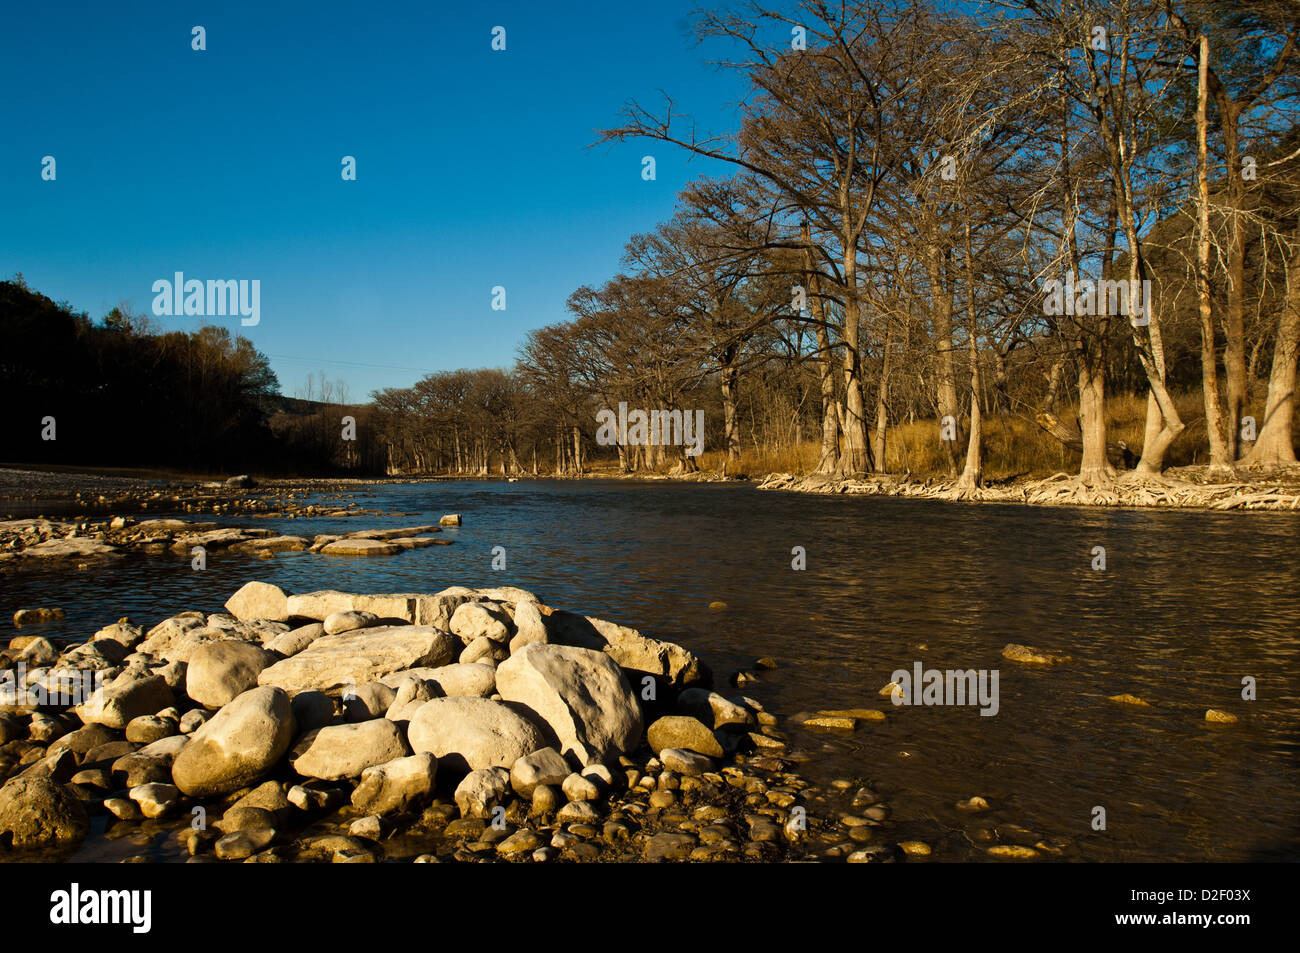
point(1013, 444)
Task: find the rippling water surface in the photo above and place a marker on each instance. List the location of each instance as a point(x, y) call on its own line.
point(1189, 604)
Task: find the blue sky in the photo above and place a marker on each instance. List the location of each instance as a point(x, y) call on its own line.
point(473, 166)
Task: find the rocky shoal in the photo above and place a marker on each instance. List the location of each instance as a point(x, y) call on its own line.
point(463, 725)
point(41, 541)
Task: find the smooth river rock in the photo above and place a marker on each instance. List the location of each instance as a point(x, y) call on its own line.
point(335, 661)
point(633, 651)
point(397, 785)
point(128, 696)
point(344, 751)
point(580, 694)
point(220, 672)
point(37, 811)
point(237, 746)
point(683, 731)
point(469, 734)
point(259, 600)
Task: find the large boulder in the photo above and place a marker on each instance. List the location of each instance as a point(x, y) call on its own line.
point(475, 620)
point(529, 626)
point(319, 605)
point(468, 734)
point(128, 696)
point(364, 655)
point(220, 672)
point(413, 607)
point(36, 812)
point(397, 785)
point(371, 700)
point(580, 694)
point(237, 746)
point(344, 751)
point(259, 600)
point(634, 652)
point(165, 634)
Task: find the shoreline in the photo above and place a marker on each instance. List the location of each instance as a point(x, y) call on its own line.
point(1266, 492)
point(59, 493)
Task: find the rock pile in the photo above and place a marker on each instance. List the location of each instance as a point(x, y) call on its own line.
point(472, 722)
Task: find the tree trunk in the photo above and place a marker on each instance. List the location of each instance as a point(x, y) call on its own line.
point(730, 390)
point(1274, 446)
point(829, 459)
point(882, 410)
point(971, 472)
point(854, 462)
point(1219, 455)
point(941, 315)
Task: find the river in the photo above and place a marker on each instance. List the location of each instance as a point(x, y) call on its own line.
point(1188, 605)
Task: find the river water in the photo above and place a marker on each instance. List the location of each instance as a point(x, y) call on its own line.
point(1188, 605)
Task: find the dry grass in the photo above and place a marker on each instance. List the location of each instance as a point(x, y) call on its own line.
point(1014, 445)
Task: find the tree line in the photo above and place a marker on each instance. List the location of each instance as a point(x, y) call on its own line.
point(119, 392)
point(946, 233)
point(986, 211)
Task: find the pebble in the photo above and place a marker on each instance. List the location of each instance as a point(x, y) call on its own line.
point(667, 846)
point(577, 811)
point(578, 788)
point(367, 827)
point(1012, 852)
point(685, 762)
point(155, 799)
point(546, 800)
point(1127, 699)
point(242, 844)
point(872, 855)
point(831, 722)
point(521, 841)
point(122, 809)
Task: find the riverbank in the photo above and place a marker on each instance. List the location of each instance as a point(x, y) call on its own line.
point(459, 726)
point(1187, 488)
point(31, 492)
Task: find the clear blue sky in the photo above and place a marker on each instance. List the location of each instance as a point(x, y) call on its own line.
point(473, 166)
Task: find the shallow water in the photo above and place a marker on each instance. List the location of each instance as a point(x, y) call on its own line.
point(1188, 605)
